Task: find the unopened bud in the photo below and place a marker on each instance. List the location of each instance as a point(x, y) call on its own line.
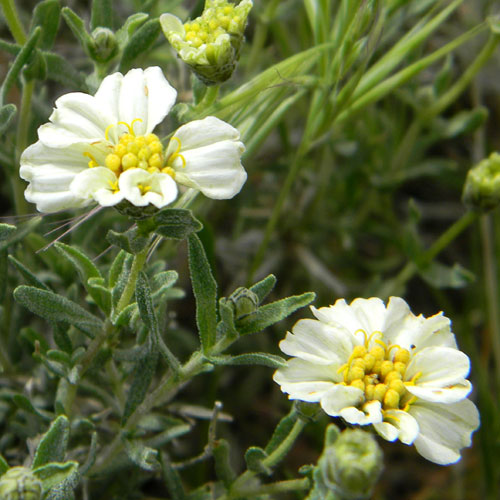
point(210, 44)
point(352, 464)
point(19, 483)
point(482, 185)
point(244, 302)
point(104, 46)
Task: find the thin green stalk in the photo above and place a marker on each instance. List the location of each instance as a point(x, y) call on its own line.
point(21, 144)
point(128, 292)
point(491, 283)
point(439, 245)
point(238, 487)
point(12, 18)
point(463, 82)
point(269, 489)
point(209, 98)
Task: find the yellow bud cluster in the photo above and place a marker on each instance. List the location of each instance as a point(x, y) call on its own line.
point(144, 151)
point(215, 21)
point(379, 373)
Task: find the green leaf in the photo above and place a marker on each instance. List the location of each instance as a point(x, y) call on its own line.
point(25, 404)
point(53, 307)
point(222, 458)
point(61, 71)
point(4, 466)
point(61, 338)
point(143, 375)
point(100, 293)
point(142, 456)
point(132, 241)
point(87, 271)
point(47, 15)
point(282, 431)
point(263, 288)
point(251, 358)
point(7, 112)
point(21, 232)
point(3, 274)
point(54, 473)
point(164, 281)
point(129, 27)
point(205, 292)
point(20, 60)
point(254, 457)
point(77, 26)
point(140, 42)
point(464, 122)
point(102, 14)
point(439, 275)
point(176, 223)
point(27, 274)
point(227, 324)
point(92, 454)
point(52, 446)
point(116, 268)
point(122, 278)
point(172, 479)
point(272, 313)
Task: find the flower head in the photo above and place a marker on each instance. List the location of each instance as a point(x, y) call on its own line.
point(482, 185)
point(384, 366)
point(210, 44)
point(102, 149)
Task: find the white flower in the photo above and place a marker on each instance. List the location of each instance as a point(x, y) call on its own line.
point(372, 364)
point(101, 149)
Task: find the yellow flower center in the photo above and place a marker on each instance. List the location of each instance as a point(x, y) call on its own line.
point(138, 151)
point(379, 372)
point(214, 22)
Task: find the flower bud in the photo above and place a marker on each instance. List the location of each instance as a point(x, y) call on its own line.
point(210, 44)
point(19, 483)
point(352, 464)
point(482, 185)
point(104, 46)
point(244, 302)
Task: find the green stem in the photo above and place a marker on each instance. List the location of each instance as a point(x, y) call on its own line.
point(238, 487)
point(209, 98)
point(491, 284)
point(268, 489)
point(12, 18)
point(439, 245)
point(463, 82)
point(21, 144)
point(128, 292)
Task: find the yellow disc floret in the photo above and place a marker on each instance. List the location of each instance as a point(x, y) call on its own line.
point(379, 371)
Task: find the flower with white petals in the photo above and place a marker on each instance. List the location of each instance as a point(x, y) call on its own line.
point(384, 366)
point(102, 149)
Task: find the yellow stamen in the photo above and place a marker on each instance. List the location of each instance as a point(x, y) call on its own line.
point(410, 402)
point(92, 163)
point(176, 154)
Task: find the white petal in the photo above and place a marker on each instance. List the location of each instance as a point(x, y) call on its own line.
point(444, 429)
point(200, 133)
point(341, 316)
point(439, 367)
point(97, 184)
point(371, 414)
point(370, 313)
point(215, 169)
point(163, 189)
point(450, 394)
point(398, 315)
point(405, 426)
point(50, 172)
point(316, 342)
point(144, 94)
point(305, 381)
point(77, 118)
point(340, 397)
point(169, 23)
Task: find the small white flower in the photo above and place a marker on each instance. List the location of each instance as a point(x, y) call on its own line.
point(101, 149)
point(384, 366)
